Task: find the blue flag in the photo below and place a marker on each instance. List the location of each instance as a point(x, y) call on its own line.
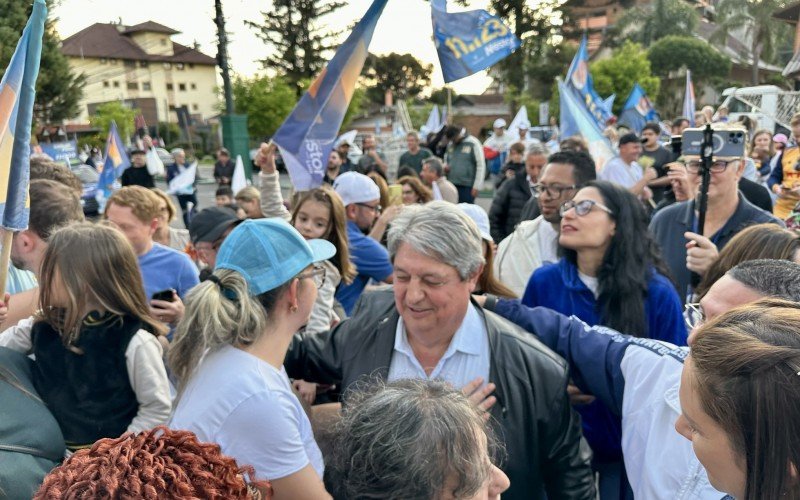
point(638, 110)
point(17, 93)
point(116, 161)
point(307, 136)
point(579, 81)
point(688, 99)
point(576, 120)
point(468, 42)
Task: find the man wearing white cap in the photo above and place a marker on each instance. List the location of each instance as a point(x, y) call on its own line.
point(361, 199)
point(524, 126)
point(500, 142)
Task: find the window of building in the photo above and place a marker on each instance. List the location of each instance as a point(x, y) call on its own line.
point(169, 86)
point(112, 61)
point(191, 65)
point(182, 87)
point(103, 60)
point(195, 107)
point(116, 84)
point(164, 41)
point(143, 64)
point(167, 65)
point(194, 86)
point(106, 84)
point(179, 66)
point(129, 64)
point(133, 86)
point(146, 86)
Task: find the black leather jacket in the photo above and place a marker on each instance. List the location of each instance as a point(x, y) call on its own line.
point(545, 452)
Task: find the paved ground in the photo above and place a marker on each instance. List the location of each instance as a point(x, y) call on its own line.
point(207, 186)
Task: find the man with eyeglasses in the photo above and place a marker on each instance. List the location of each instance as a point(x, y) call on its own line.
point(361, 199)
point(639, 378)
point(728, 212)
point(534, 243)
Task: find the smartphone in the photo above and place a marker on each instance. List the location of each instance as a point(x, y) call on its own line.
point(165, 295)
point(726, 143)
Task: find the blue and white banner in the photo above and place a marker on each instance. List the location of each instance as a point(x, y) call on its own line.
point(638, 110)
point(576, 120)
point(579, 81)
point(60, 151)
point(688, 99)
point(468, 42)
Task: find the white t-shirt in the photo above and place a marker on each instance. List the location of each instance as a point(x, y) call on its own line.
point(247, 407)
point(548, 243)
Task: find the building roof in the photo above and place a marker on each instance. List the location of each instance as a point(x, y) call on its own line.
point(151, 27)
point(789, 13)
point(735, 49)
point(111, 41)
point(478, 99)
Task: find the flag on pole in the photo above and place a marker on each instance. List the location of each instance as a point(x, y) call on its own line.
point(688, 99)
point(434, 122)
point(608, 102)
point(638, 110)
point(468, 42)
point(116, 161)
point(349, 138)
point(17, 93)
point(184, 181)
point(576, 120)
point(520, 117)
point(239, 180)
point(306, 137)
point(580, 81)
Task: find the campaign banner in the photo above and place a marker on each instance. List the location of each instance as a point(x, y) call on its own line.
point(576, 120)
point(638, 110)
point(468, 42)
point(17, 93)
point(60, 151)
point(307, 136)
point(116, 161)
point(579, 80)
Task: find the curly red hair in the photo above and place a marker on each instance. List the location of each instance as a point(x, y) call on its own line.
point(160, 463)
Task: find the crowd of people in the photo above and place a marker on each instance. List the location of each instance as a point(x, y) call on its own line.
point(383, 336)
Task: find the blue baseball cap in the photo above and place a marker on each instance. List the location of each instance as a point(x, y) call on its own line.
point(269, 252)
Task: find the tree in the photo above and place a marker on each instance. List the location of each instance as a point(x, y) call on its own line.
point(754, 19)
point(58, 89)
point(648, 23)
point(117, 112)
point(300, 48)
point(266, 101)
point(439, 96)
point(403, 74)
point(669, 55)
point(616, 75)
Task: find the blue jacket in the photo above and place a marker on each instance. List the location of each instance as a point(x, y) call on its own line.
point(637, 379)
point(558, 287)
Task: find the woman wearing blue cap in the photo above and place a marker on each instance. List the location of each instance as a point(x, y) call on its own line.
point(229, 349)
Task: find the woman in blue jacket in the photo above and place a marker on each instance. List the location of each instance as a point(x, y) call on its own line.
point(611, 275)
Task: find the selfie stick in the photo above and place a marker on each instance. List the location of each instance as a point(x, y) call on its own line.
point(706, 157)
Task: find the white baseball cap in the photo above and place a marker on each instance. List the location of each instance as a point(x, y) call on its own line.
point(353, 187)
point(524, 124)
point(499, 123)
point(478, 215)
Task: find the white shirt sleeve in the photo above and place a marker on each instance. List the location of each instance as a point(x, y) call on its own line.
point(148, 378)
point(18, 337)
point(264, 432)
point(271, 197)
point(322, 312)
point(480, 165)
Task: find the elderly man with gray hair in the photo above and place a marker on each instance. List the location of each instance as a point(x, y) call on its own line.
point(432, 174)
point(429, 328)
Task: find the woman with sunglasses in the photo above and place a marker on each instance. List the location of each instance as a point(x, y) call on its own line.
point(611, 275)
point(229, 350)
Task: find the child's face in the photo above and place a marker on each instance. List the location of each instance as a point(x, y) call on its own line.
point(313, 220)
point(514, 157)
point(223, 200)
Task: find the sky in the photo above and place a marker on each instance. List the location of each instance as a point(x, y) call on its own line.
point(405, 26)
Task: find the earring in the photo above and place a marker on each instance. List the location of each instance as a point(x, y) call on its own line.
point(293, 309)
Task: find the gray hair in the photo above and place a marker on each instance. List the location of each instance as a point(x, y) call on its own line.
point(407, 439)
point(178, 151)
point(441, 231)
point(771, 278)
point(434, 164)
point(537, 149)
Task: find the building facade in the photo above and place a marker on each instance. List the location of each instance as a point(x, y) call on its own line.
point(141, 66)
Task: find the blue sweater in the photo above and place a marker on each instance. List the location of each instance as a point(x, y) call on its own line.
point(558, 287)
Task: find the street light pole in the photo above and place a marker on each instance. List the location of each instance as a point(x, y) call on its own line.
point(222, 56)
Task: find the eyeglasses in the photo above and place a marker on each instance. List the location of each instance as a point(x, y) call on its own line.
point(317, 275)
point(376, 208)
point(582, 207)
point(718, 166)
point(552, 191)
point(693, 315)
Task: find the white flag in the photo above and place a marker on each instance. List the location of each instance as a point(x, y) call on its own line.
point(239, 180)
point(513, 127)
point(183, 180)
point(434, 123)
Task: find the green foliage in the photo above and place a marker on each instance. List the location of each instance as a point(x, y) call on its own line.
point(266, 101)
point(648, 23)
point(419, 114)
point(403, 74)
point(58, 89)
point(517, 98)
point(170, 132)
point(291, 29)
point(675, 52)
point(543, 71)
point(439, 96)
point(616, 75)
point(93, 141)
point(356, 106)
point(117, 112)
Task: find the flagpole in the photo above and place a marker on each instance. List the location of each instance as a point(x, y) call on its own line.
point(449, 102)
point(5, 258)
